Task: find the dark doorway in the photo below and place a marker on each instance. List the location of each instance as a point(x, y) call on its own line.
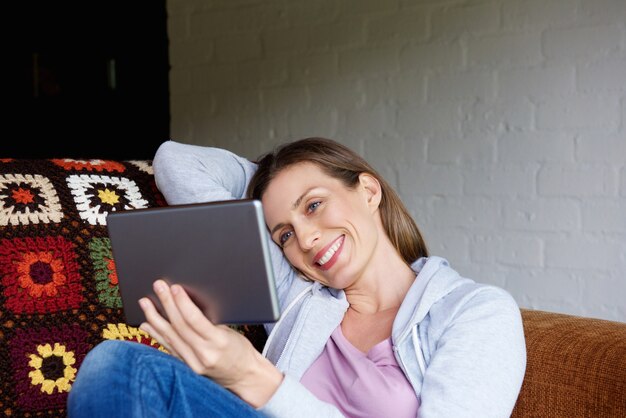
point(87, 79)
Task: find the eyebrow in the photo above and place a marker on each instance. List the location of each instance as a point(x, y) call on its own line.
point(293, 207)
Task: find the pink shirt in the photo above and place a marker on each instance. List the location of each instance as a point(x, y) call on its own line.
point(359, 384)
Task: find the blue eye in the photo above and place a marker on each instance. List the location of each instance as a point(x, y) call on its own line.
point(313, 206)
point(284, 237)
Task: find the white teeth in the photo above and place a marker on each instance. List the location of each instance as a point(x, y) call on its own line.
point(331, 251)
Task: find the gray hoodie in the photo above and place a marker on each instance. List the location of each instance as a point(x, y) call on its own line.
point(460, 343)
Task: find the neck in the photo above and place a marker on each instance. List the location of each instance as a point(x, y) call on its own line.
point(384, 284)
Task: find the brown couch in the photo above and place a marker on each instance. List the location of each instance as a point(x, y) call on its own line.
point(59, 298)
point(576, 367)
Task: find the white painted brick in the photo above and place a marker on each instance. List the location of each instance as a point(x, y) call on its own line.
point(269, 72)
point(599, 114)
point(536, 82)
point(182, 127)
point(262, 131)
point(489, 274)
point(426, 179)
point(582, 43)
point(623, 115)
point(418, 207)
point(505, 50)
point(609, 149)
point(405, 24)
point(604, 216)
point(447, 87)
point(471, 149)
point(576, 180)
point(285, 40)
point(209, 78)
point(190, 52)
point(484, 248)
point(177, 28)
point(369, 7)
point(282, 100)
point(602, 293)
point(467, 212)
point(603, 11)
point(250, 19)
point(371, 125)
point(542, 286)
point(222, 133)
point(407, 89)
point(542, 215)
point(304, 123)
point(537, 14)
point(435, 56)
point(507, 249)
point(584, 252)
point(312, 68)
point(415, 149)
point(521, 251)
point(338, 35)
point(180, 81)
point(609, 75)
point(430, 91)
point(439, 119)
point(453, 21)
point(451, 244)
point(535, 147)
point(340, 94)
point(311, 12)
point(240, 101)
point(368, 62)
point(496, 116)
point(500, 181)
point(237, 48)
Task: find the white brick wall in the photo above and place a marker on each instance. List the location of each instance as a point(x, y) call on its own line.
point(502, 123)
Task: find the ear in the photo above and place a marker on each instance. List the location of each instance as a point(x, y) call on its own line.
point(372, 190)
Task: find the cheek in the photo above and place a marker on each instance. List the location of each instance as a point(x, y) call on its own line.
point(293, 257)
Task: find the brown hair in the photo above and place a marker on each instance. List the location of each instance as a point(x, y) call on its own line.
point(340, 162)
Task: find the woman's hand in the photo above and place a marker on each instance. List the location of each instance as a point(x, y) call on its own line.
point(215, 351)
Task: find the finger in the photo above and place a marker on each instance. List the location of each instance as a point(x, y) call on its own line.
point(194, 318)
point(175, 317)
point(154, 321)
point(166, 335)
point(145, 327)
point(174, 331)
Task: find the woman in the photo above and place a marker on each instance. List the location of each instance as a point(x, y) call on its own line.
point(371, 326)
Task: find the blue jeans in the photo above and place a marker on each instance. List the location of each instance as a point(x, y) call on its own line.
point(125, 379)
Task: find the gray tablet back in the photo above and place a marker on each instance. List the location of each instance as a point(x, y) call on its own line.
point(218, 251)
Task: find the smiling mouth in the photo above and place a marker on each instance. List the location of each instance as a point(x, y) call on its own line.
point(328, 255)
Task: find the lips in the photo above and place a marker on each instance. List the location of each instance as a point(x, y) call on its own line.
point(328, 255)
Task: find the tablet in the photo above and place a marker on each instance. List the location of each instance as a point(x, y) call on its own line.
point(218, 251)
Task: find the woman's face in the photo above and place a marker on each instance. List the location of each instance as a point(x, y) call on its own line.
point(327, 231)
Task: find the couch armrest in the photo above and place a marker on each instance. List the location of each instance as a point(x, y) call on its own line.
point(576, 367)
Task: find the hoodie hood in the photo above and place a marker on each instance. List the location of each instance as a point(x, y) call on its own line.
point(435, 279)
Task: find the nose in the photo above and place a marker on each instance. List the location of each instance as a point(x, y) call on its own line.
point(307, 235)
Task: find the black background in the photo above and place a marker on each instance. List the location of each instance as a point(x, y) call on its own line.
point(60, 101)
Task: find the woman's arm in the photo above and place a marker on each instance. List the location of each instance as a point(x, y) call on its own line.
point(478, 367)
point(187, 173)
point(227, 357)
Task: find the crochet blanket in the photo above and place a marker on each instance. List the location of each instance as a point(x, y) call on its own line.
point(58, 285)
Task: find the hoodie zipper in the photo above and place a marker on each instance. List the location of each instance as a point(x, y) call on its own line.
point(289, 307)
point(417, 350)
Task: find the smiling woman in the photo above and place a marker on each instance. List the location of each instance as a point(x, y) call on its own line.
point(371, 325)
